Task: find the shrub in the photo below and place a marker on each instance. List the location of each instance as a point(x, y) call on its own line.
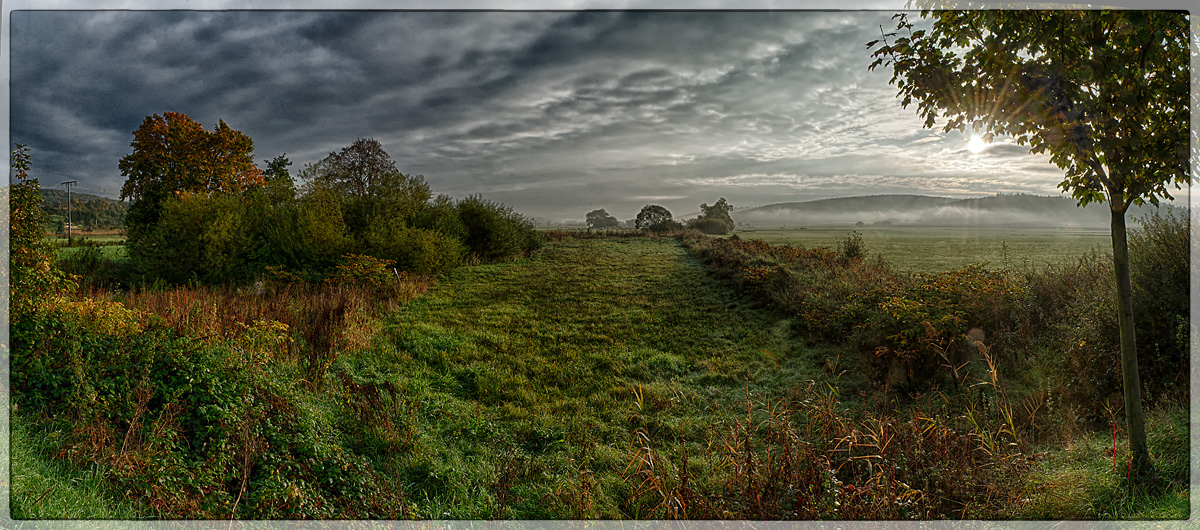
point(33, 274)
point(322, 228)
point(191, 431)
point(853, 247)
point(197, 238)
point(279, 238)
point(416, 250)
point(426, 252)
point(360, 269)
point(494, 231)
point(709, 225)
point(441, 215)
point(913, 323)
point(664, 226)
point(1159, 270)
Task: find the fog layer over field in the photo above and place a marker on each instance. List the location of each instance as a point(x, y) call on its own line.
point(1025, 211)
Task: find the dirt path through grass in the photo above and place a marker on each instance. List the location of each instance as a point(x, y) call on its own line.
point(529, 382)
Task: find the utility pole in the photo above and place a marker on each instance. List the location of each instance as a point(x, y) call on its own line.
point(68, 185)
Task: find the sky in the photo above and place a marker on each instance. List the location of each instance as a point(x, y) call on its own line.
point(555, 113)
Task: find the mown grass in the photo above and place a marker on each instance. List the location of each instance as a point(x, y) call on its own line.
point(525, 383)
point(934, 250)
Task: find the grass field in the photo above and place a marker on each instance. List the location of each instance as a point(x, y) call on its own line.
point(112, 252)
point(928, 249)
point(617, 378)
point(108, 241)
point(542, 373)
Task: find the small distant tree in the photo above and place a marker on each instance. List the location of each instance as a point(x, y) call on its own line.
point(359, 169)
point(599, 219)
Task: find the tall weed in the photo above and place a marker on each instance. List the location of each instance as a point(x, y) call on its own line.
point(801, 457)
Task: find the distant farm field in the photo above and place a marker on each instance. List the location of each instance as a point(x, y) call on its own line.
point(113, 252)
point(929, 249)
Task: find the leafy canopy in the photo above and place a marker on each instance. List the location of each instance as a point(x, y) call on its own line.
point(364, 169)
point(174, 153)
point(653, 217)
point(598, 219)
point(1104, 93)
point(714, 219)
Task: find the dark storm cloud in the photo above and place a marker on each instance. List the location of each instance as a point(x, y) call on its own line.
point(549, 112)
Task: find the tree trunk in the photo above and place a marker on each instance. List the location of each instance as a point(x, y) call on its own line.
point(1143, 469)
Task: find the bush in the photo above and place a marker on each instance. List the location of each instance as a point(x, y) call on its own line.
point(665, 225)
point(426, 252)
point(853, 247)
point(322, 228)
point(359, 269)
point(710, 225)
point(33, 275)
point(197, 238)
point(441, 215)
point(416, 250)
point(187, 425)
point(91, 269)
point(279, 239)
point(912, 324)
point(494, 231)
point(1159, 271)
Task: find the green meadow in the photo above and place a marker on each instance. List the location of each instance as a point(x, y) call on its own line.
point(936, 249)
point(539, 380)
point(597, 378)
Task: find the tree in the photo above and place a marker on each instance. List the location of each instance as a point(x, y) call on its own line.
point(655, 218)
point(714, 219)
point(598, 219)
point(1104, 93)
point(32, 274)
point(360, 169)
point(277, 180)
point(364, 176)
point(173, 153)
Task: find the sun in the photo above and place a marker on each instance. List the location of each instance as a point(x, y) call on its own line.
point(976, 145)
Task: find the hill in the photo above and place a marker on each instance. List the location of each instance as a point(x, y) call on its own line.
point(87, 211)
point(997, 211)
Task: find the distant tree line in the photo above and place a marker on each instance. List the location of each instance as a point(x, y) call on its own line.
point(203, 211)
point(88, 212)
point(713, 219)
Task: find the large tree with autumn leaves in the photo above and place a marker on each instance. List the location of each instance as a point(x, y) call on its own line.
point(1104, 93)
point(173, 154)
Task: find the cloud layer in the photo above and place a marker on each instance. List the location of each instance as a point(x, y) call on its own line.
point(554, 113)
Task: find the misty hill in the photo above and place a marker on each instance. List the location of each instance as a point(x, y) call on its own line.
point(998, 211)
point(87, 211)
